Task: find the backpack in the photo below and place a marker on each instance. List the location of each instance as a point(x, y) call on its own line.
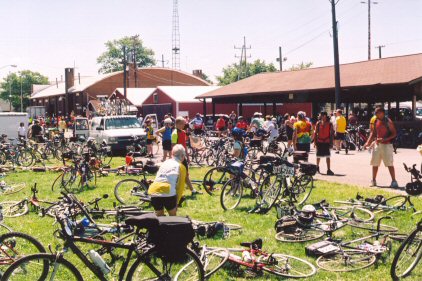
point(317, 131)
point(387, 126)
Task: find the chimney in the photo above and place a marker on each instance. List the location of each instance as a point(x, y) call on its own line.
point(69, 78)
point(198, 73)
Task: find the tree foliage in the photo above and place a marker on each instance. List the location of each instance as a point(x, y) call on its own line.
point(300, 66)
point(111, 60)
point(12, 85)
point(231, 72)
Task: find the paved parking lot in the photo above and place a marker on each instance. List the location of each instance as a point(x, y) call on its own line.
point(354, 167)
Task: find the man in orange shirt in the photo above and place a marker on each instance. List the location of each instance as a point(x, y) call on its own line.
point(220, 126)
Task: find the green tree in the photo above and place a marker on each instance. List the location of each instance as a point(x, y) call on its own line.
point(300, 66)
point(231, 72)
point(14, 81)
point(111, 59)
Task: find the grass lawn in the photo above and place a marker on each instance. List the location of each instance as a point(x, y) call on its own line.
point(207, 208)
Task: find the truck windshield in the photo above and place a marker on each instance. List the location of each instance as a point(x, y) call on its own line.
point(122, 123)
point(81, 124)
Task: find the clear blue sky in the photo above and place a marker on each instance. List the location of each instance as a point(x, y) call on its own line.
point(49, 35)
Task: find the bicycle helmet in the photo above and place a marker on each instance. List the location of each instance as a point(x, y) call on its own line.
point(308, 209)
point(237, 132)
point(81, 138)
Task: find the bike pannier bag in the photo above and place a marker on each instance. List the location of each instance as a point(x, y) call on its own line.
point(308, 169)
point(255, 143)
point(321, 248)
point(172, 236)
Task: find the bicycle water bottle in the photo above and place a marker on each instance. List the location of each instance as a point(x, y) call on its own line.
point(99, 261)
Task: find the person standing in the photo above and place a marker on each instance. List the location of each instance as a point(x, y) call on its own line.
point(165, 134)
point(21, 131)
point(272, 129)
point(167, 189)
point(288, 125)
point(381, 138)
point(178, 136)
point(198, 125)
point(242, 124)
point(150, 137)
point(323, 139)
point(302, 133)
point(35, 131)
point(220, 126)
point(340, 128)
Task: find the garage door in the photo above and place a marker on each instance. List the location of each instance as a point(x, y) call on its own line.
point(159, 109)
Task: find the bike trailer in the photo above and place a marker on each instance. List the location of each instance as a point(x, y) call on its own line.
point(321, 248)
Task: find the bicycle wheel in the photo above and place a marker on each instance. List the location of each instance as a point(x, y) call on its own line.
point(89, 180)
point(301, 188)
point(215, 179)
point(372, 226)
point(153, 266)
point(70, 180)
point(269, 192)
point(106, 157)
point(57, 182)
point(14, 188)
point(213, 259)
point(396, 202)
point(287, 266)
point(129, 191)
point(15, 245)
point(42, 267)
point(300, 235)
point(25, 158)
point(231, 194)
point(407, 256)
point(353, 213)
point(347, 260)
point(13, 209)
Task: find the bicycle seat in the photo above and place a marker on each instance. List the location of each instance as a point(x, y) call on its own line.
point(256, 244)
point(147, 221)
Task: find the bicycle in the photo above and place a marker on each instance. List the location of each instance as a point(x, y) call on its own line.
point(18, 155)
point(381, 204)
point(7, 189)
point(150, 261)
point(212, 229)
point(13, 209)
point(342, 257)
point(408, 255)
point(258, 261)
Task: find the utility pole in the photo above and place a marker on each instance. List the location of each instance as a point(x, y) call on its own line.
point(175, 36)
point(280, 58)
point(135, 65)
point(124, 72)
point(10, 93)
point(379, 50)
point(21, 93)
point(163, 61)
point(336, 54)
point(369, 2)
point(243, 66)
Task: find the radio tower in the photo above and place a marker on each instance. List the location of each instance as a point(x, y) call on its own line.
point(175, 36)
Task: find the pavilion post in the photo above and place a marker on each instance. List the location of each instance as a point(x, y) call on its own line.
point(397, 110)
point(274, 109)
point(204, 109)
point(213, 109)
point(347, 110)
point(265, 109)
point(240, 109)
point(414, 106)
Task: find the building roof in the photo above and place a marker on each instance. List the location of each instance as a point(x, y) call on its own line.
point(160, 76)
point(387, 71)
point(186, 93)
point(136, 96)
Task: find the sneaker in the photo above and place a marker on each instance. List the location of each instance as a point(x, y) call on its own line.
point(337, 152)
point(330, 173)
point(394, 184)
point(373, 183)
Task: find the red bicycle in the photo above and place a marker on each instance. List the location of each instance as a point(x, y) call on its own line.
point(258, 261)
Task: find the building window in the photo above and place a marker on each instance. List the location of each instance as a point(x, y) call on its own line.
point(155, 98)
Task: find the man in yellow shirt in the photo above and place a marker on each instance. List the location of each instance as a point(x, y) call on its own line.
point(340, 127)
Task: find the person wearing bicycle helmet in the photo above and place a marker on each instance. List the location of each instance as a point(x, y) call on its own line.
point(238, 146)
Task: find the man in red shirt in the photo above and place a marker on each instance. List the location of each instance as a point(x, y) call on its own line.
point(242, 124)
point(220, 126)
point(380, 140)
point(323, 138)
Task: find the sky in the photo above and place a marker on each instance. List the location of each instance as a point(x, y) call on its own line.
point(49, 35)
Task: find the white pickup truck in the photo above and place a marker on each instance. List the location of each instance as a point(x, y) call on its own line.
point(116, 131)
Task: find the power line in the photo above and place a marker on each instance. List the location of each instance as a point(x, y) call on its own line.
point(243, 66)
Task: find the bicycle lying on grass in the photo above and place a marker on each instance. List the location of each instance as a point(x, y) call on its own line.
point(151, 258)
point(258, 261)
